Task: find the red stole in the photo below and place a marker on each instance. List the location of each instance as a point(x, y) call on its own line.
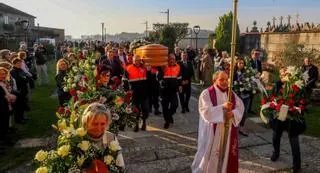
point(233, 161)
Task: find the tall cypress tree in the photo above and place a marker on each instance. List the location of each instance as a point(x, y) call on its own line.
point(224, 33)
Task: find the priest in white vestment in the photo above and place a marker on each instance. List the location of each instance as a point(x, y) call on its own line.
point(213, 106)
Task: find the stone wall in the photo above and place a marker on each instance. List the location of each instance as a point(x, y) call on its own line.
point(273, 43)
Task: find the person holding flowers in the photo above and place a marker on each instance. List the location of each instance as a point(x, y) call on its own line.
point(96, 120)
point(243, 88)
point(285, 109)
point(62, 68)
point(84, 145)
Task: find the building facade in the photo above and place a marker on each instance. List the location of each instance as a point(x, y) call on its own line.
point(17, 26)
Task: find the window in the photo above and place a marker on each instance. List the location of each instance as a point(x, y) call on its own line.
point(6, 20)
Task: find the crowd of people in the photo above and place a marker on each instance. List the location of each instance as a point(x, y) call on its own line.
point(151, 87)
point(19, 71)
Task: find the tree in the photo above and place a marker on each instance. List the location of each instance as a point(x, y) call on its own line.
point(168, 37)
point(211, 39)
point(224, 31)
point(293, 55)
point(181, 29)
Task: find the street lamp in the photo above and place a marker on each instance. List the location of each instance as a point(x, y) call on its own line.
point(196, 30)
point(168, 15)
point(25, 26)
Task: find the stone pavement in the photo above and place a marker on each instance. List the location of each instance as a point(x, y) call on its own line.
point(172, 150)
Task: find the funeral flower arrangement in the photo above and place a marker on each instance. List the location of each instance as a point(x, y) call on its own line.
point(289, 102)
point(136, 44)
point(247, 82)
point(76, 154)
point(81, 83)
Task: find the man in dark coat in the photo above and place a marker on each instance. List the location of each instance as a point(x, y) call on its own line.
point(22, 85)
point(187, 73)
point(110, 60)
point(313, 73)
point(255, 64)
point(291, 126)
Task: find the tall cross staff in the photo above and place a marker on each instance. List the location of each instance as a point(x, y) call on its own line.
point(227, 123)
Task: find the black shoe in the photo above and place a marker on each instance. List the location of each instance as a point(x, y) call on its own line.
point(243, 133)
point(122, 127)
point(20, 121)
point(187, 109)
point(274, 157)
point(183, 111)
point(136, 129)
point(7, 142)
point(157, 112)
point(144, 126)
point(296, 170)
point(251, 112)
point(166, 125)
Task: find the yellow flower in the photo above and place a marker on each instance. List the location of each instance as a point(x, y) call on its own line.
point(68, 131)
point(84, 145)
point(62, 125)
point(64, 150)
point(81, 132)
point(80, 160)
point(83, 107)
point(114, 146)
point(108, 159)
point(42, 170)
point(41, 155)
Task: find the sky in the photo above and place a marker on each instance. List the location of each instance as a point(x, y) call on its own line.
point(84, 17)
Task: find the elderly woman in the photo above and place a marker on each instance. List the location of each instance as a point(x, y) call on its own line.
point(96, 120)
point(62, 67)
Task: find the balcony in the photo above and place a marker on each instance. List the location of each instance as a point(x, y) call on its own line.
point(8, 27)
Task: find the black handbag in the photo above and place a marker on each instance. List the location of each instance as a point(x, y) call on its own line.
point(297, 126)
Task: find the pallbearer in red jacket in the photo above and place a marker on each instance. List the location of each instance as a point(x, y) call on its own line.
point(171, 84)
point(136, 74)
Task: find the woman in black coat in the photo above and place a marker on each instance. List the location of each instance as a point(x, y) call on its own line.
point(62, 67)
point(4, 105)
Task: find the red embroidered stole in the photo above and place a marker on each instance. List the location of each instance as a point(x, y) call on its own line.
point(233, 162)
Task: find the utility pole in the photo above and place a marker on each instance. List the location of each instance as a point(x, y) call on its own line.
point(105, 34)
point(146, 23)
point(38, 34)
point(102, 26)
point(168, 15)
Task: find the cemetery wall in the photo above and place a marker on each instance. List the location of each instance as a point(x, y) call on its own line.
point(273, 43)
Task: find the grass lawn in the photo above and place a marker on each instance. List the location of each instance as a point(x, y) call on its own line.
point(42, 115)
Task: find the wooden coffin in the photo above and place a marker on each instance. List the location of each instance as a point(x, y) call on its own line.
point(153, 54)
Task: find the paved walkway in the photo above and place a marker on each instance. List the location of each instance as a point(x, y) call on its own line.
point(172, 150)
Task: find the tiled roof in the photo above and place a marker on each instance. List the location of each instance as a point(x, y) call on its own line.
point(9, 9)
